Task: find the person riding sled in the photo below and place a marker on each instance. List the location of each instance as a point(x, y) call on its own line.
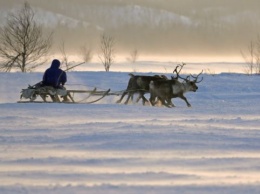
point(56, 78)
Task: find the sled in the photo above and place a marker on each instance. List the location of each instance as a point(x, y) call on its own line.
point(50, 94)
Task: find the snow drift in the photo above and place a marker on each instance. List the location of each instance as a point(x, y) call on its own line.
point(212, 147)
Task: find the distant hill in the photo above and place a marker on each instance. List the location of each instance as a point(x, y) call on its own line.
point(171, 27)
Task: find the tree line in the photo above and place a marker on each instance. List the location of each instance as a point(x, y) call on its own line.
point(24, 47)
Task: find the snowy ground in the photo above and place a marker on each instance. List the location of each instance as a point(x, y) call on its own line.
point(213, 147)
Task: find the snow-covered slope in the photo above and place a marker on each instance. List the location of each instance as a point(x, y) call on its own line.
point(212, 147)
point(115, 15)
point(168, 28)
point(107, 17)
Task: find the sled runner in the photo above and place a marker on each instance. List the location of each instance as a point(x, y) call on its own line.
point(49, 94)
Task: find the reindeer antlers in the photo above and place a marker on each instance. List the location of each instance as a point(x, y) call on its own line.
point(196, 77)
point(188, 77)
point(178, 72)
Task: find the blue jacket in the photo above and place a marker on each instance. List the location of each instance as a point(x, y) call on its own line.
point(54, 76)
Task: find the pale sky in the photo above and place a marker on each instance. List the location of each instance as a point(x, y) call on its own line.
point(187, 28)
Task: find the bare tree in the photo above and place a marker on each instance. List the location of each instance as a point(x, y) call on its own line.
point(249, 59)
point(107, 44)
point(252, 58)
point(133, 56)
point(65, 58)
point(22, 44)
point(257, 56)
point(86, 54)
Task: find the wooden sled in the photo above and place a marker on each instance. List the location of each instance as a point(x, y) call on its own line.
point(60, 95)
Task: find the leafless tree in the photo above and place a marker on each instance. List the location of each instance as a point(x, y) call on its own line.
point(252, 58)
point(257, 56)
point(133, 56)
point(65, 58)
point(249, 59)
point(107, 44)
point(86, 53)
point(22, 43)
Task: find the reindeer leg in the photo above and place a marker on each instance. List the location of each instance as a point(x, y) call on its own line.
point(130, 94)
point(158, 102)
point(138, 98)
point(169, 101)
point(172, 104)
point(132, 97)
point(185, 99)
point(141, 95)
point(123, 95)
point(143, 98)
point(152, 99)
point(160, 99)
point(165, 104)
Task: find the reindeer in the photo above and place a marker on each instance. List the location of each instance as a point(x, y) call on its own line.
point(165, 90)
point(139, 84)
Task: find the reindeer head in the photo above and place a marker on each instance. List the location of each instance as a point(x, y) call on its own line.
point(192, 84)
point(189, 84)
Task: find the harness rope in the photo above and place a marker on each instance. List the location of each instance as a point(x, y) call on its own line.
point(112, 92)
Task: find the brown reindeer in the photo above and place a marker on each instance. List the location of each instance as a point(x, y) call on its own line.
point(139, 84)
point(165, 90)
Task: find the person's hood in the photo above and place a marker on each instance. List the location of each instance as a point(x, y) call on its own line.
point(55, 64)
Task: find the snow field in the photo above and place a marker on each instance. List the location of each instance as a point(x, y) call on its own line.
point(212, 147)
